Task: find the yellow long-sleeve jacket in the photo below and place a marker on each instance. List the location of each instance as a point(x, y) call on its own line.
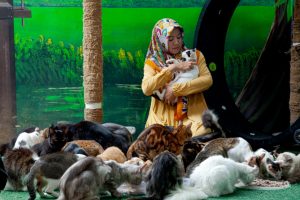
point(163, 113)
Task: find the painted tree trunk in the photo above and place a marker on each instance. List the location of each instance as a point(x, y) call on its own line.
point(295, 66)
point(264, 100)
point(92, 60)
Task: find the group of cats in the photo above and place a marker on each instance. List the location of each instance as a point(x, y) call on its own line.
point(86, 159)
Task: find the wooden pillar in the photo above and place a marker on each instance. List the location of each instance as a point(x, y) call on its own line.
point(92, 60)
point(7, 73)
point(8, 116)
point(295, 66)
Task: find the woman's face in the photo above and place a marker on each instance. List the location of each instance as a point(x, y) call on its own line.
point(175, 41)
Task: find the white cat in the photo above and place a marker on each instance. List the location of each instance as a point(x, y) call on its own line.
point(28, 140)
point(214, 177)
point(181, 77)
point(237, 149)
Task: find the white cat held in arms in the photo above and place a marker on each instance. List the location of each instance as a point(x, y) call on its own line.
point(181, 76)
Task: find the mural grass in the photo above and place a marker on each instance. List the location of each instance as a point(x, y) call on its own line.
point(49, 54)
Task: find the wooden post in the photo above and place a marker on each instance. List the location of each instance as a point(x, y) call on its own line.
point(92, 60)
point(7, 73)
point(8, 116)
point(295, 66)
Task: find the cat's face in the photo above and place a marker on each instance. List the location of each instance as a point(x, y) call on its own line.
point(182, 133)
point(57, 136)
point(189, 55)
point(285, 161)
point(273, 169)
point(190, 150)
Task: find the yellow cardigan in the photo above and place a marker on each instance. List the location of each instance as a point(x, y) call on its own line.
point(162, 113)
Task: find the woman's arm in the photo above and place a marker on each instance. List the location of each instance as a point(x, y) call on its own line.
point(154, 79)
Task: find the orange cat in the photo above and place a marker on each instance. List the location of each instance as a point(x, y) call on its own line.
point(158, 138)
point(113, 153)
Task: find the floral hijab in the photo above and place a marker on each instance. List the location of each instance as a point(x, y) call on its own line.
point(158, 48)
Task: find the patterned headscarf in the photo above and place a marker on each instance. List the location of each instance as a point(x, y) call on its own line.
point(158, 48)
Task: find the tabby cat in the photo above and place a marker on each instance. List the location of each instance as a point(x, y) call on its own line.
point(158, 138)
point(17, 164)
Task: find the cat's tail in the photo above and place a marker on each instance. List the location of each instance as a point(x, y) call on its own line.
point(211, 120)
point(186, 193)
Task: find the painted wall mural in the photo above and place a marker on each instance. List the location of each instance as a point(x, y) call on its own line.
point(49, 55)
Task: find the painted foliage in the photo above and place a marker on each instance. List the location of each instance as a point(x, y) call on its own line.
point(49, 55)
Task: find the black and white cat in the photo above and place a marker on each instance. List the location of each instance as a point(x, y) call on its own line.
point(181, 77)
point(214, 177)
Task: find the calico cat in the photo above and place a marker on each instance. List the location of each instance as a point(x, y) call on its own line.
point(90, 147)
point(268, 169)
point(48, 170)
point(89, 176)
point(113, 153)
point(237, 149)
point(164, 175)
point(215, 176)
point(158, 138)
point(290, 165)
point(17, 164)
point(54, 143)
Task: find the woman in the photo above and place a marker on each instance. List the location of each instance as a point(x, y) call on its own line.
point(167, 43)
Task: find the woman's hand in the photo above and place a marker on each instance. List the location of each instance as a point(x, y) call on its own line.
point(182, 66)
point(169, 97)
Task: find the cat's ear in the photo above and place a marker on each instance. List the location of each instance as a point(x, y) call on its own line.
point(275, 152)
point(253, 161)
point(260, 158)
point(288, 159)
point(189, 125)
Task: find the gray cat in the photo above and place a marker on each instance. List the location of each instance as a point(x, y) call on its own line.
point(88, 177)
point(48, 170)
